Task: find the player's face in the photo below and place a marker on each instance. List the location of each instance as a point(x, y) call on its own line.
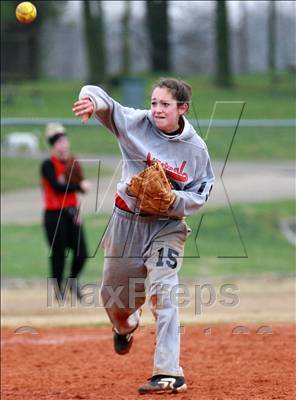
point(62, 147)
point(165, 110)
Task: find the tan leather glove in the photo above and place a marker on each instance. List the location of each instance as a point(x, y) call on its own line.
point(153, 190)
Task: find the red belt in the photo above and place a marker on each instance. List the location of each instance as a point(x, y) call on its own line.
point(120, 203)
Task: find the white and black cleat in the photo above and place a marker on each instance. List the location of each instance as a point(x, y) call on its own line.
point(164, 384)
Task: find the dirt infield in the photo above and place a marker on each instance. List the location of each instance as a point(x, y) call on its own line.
point(219, 362)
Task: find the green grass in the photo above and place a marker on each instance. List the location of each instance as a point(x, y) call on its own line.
point(49, 98)
point(253, 245)
point(25, 254)
point(263, 99)
point(249, 144)
point(19, 173)
point(252, 143)
point(84, 139)
point(54, 99)
point(23, 173)
point(269, 143)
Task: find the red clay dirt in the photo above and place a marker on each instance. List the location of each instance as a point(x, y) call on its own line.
point(79, 363)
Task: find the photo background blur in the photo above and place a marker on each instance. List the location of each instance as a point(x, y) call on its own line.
point(239, 57)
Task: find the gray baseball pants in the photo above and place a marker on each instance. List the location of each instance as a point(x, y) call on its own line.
point(142, 256)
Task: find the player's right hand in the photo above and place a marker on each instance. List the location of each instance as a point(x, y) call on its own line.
point(83, 108)
point(85, 186)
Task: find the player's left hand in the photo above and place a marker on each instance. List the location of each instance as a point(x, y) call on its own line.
point(73, 170)
point(83, 108)
point(153, 190)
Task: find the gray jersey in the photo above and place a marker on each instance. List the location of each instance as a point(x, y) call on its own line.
point(184, 157)
point(139, 247)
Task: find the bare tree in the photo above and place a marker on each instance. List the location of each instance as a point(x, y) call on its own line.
point(272, 40)
point(223, 73)
point(95, 40)
point(192, 43)
point(243, 39)
point(125, 38)
point(158, 31)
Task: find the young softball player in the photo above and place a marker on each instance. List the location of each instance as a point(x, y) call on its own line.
point(144, 241)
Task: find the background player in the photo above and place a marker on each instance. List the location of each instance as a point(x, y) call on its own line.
point(61, 215)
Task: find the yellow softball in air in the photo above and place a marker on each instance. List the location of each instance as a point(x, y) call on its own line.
point(26, 12)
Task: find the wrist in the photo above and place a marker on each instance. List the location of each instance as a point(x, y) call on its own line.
point(94, 107)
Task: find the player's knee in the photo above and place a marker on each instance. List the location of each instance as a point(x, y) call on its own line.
point(124, 321)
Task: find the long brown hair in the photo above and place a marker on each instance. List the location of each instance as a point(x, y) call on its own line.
point(179, 89)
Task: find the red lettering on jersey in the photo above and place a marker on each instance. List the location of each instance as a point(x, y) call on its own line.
point(174, 172)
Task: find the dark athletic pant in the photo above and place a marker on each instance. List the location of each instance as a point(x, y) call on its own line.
point(64, 233)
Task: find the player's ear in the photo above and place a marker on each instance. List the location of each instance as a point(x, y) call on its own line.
point(183, 108)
